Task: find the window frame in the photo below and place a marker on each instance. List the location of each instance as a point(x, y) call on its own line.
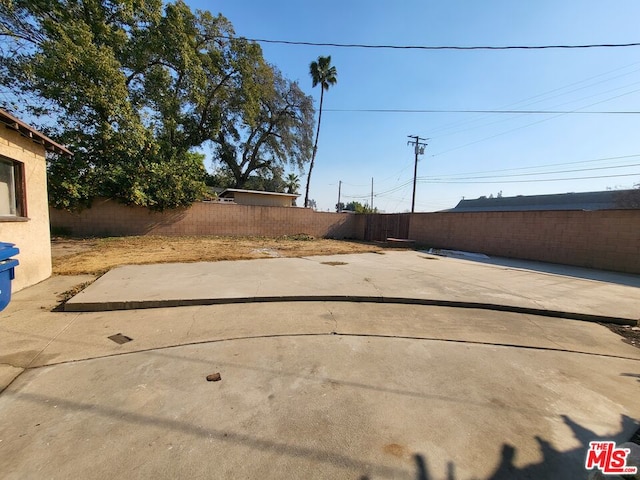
point(20, 188)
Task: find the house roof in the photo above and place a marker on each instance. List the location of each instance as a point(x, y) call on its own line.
point(229, 191)
point(606, 200)
point(25, 130)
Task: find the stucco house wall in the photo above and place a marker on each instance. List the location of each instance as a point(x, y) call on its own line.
point(30, 233)
point(262, 199)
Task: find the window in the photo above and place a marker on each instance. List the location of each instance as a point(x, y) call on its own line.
point(12, 192)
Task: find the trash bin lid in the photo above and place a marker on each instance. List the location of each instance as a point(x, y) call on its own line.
point(8, 250)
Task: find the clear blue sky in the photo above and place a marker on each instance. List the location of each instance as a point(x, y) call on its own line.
point(356, 146)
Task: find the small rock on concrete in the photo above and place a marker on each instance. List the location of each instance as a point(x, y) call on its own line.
point(214, 377)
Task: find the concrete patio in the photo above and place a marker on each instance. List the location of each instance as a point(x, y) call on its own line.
point(316, 389)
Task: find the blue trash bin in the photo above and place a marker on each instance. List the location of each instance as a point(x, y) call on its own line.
point(7, 272)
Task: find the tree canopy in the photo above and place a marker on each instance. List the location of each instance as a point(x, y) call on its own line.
point(135, 88)
point(278, 132)
point(356, 207)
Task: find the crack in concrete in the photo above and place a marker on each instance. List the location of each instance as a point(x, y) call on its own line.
point(5, 364)
point(534, 323)
point(335, 322)
point(375, 287)
point(193, 321)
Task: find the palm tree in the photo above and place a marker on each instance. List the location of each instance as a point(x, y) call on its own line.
point(325, 75)
point(292, 183)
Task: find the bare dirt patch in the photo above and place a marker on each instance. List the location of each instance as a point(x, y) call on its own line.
point(630, 335)
point(63, 247)
point(98, 255)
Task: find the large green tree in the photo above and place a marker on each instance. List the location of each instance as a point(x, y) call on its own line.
point(64, 60)
point(277, 133)
point(323, 74)
point(135, 88)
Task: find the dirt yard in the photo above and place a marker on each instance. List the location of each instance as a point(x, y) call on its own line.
point(98, 255)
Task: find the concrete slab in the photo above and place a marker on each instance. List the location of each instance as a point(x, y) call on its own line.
point(8, 373)
point(315, 389)
point(27, 325)
point(393, 276)
point(87, 336)
point(627, 279)
point(317, 407)
point(31, 336)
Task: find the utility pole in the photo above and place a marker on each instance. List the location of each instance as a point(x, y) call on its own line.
point(371, 194)
point(339, 188)
point(419, 150)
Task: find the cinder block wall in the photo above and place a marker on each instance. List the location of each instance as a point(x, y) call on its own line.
point(605, 239)
point(109, 218)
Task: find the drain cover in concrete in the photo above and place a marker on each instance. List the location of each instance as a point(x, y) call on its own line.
point(120, 338)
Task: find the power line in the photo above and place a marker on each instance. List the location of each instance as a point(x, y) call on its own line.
point(536, 181)
point(542, 166)
point(456, 177)
point(530, 124)
point(429, 204)
point(536, 173)
point(532, 103)
point(383, 193)
point(542, 97)
point(396, 174)
point(509, 112)
point(433, 47)
point(356, 184)
point(396, 188)
point(529, 100)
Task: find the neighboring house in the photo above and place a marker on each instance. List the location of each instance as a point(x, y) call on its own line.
point(24, 209)
point(607, 200)
point(255, 197)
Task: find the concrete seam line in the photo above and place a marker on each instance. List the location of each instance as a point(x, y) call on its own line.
point(328, 334)
point(492, 344)
point(24, 369)
point(54, 339)
point(146, 304)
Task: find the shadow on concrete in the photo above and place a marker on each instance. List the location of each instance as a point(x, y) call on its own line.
point(626, 279)
point(225, 436)
point(554, 463)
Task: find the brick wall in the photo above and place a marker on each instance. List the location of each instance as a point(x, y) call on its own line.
point(605, 239)
point(109, 218)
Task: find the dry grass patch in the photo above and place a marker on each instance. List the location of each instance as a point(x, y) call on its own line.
point(98, 255)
